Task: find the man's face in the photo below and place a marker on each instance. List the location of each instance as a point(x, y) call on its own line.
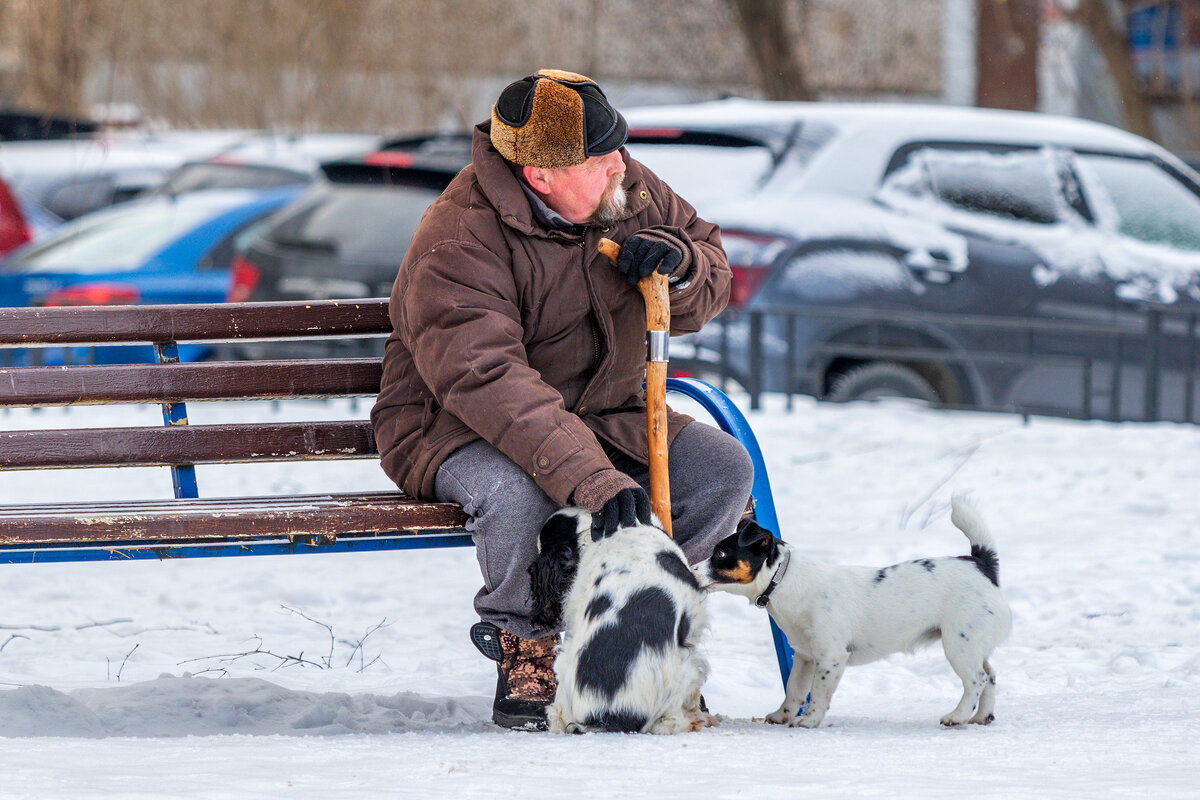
point(588, 192)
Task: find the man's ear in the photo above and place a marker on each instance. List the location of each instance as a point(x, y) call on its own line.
point(537, 178)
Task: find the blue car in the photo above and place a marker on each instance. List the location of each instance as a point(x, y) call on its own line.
point(159, 250)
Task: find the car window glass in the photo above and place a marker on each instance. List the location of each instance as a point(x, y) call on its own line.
point(356, 222)
point(121, 238)
point(194, 177)
point(1020, 185)
point(706, 175)
point(78, 198)
point(1143, 201)
point(245, 236)
point(220, 256)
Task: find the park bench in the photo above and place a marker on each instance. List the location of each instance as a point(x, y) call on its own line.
point(187, 525)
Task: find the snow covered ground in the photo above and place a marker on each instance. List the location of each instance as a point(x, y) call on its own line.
point(351, 675)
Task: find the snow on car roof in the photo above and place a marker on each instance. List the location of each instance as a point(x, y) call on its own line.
point(867, 134)
point(904, 121)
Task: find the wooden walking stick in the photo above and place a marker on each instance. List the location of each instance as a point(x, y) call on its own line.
point(654, 291)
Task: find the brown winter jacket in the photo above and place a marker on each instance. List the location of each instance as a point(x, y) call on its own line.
point(526, 336)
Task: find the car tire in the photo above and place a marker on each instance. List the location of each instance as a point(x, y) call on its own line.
point(880, 379)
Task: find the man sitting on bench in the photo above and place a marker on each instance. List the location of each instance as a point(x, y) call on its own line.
point(512, 383)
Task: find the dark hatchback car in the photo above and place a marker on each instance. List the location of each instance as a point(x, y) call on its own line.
point(344, 237)
point(968, 258)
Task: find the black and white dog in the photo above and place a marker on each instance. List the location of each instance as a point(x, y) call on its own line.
point(633, 613)
point(834, 616)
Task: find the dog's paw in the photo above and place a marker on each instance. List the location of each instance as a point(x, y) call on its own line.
point(987, 719)
point(779, 717)
point(805, 721)
point(953, 720)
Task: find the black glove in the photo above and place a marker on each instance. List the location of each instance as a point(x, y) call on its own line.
point(627, 508)
point(641, 255)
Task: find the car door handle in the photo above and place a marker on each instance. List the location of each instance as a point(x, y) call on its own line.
point(931, 266)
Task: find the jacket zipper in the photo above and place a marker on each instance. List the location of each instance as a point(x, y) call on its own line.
point(595, 344)
point(594, 327)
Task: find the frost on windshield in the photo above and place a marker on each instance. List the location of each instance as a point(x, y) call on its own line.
point(1020, 186)
point(1138, 199)
point(1145, 228)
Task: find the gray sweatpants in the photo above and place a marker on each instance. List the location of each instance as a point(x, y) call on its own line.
point(711, 476)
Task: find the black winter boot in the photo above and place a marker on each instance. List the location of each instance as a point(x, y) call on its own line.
point(525, 682)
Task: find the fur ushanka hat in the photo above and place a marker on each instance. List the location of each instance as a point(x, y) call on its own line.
point(555, 119)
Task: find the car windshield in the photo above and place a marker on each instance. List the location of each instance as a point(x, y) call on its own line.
point(706, 175)
point(1142, 200)
point(359, 223)
point(120, 238)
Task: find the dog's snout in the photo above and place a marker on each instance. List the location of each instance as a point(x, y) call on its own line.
point(703, 576)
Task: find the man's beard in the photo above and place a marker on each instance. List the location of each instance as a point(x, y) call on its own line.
point(612, 203)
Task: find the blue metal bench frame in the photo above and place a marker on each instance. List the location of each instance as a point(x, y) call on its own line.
point(730, 419)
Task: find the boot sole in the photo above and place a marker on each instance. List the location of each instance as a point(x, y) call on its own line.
point(519, 722)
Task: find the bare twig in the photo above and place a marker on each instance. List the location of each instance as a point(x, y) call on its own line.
point(124, 661)
point(10, 638)
point(94, 624)
point(283, 660)
point(30, 627)
point(221, 672)
point(968, 451)
point(378, 659)
point(219, 662)
point(329, 658)
point(205, 627)
point(358, 646)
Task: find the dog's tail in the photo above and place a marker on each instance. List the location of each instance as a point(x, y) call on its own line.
point(983, 545)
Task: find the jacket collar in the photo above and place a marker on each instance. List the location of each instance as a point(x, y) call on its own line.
point(546, 215)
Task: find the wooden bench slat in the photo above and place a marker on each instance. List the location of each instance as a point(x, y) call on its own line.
point(208, 526)
point(186, 444)
point(209, 380)
point(221, 519)
point(192, 322)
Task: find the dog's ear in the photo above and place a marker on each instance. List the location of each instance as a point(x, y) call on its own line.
point(750, 534)
point(553, 571)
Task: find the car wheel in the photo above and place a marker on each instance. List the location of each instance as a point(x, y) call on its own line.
point(881, 379)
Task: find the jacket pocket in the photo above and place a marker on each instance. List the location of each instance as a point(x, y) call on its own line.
point(557, 448)
point(428, 415)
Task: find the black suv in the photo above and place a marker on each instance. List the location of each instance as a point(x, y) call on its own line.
point(346, 235)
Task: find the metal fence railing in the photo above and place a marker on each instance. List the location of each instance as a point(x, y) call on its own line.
point(1140, 364)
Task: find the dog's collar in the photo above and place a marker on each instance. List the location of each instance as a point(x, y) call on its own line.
point(764, 598)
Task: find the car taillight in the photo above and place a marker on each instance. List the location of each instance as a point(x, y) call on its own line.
point(751, 258)
point(243, 280)
point(383, 158)
point(745, 282)
point(92, 294)
point(14, 230)
point(655, 133)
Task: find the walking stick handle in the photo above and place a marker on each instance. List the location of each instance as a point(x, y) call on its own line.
point(655, 292)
